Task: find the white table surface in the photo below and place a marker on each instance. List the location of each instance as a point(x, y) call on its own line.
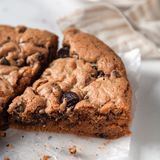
point(145, 144)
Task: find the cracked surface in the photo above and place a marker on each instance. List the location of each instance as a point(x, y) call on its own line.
point(87, 92)
point(24, 52)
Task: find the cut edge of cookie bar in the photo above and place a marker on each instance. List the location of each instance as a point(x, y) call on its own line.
point(85, 91)
point(24, 54)
point(3, 124)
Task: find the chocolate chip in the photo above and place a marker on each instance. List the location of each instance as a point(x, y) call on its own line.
point(4, 61)
point(71, 98)
point(63, 52)
point(115, 74)
point(19, 109)
point(8, 38)
point(100, 74)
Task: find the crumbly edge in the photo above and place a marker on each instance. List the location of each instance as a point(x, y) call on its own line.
point(91, 124)
point(113, 131)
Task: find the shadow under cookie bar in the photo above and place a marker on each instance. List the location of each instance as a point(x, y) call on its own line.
point(84, 91)
point(24, 54)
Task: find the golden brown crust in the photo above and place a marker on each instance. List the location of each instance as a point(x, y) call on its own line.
point(91, 49)
point(93, 77)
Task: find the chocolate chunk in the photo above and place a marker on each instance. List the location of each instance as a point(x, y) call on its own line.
point(115, 74)
point(19, 109)
point(71, 98)
point(63, 52)
point(4, 61)
point(8, 38)
point(21, 29)
point(100, 74)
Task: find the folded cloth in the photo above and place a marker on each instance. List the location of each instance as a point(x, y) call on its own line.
point(109, 24)
point(145, 18)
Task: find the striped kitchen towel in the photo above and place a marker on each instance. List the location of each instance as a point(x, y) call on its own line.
point(145, 18)
point(110, 25)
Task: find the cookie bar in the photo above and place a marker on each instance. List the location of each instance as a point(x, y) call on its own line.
point(24, 52)
point(84, 91)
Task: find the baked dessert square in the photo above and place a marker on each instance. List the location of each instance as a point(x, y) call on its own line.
point(24, 53)
point(84, 91)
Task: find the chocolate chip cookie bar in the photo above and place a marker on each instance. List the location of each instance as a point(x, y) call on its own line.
point(84, 91)
point(24, 53)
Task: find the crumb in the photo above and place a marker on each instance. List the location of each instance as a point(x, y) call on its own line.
point(72, 150)
point(46, 157)
point(46, 145)
point(101, 147)
point(107, 142)
point(10, 146)
point(22, 136)
point(6, 158)
point(50, 137)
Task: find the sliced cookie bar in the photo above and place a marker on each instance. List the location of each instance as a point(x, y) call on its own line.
point(24, 52)
point(84, 91)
